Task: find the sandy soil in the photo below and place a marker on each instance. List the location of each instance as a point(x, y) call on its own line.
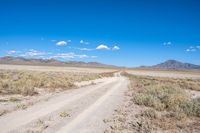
point(22, 102)
point(79, 110)
point(193, 93)
point(171, 74)
point(56, 69)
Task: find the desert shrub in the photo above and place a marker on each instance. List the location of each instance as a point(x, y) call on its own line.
point(169, 108)
point(166, 95)
point(162, 97)
point(177, 115)
point(191, 84)
point(148, 100)
point(26, 82)
point(191, 107)
point(150, 113)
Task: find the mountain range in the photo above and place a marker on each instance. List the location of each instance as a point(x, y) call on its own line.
point(173, 65)
point(167, 65)
point(50, 62)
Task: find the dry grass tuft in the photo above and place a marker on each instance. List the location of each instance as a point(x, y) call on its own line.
point(64, 114)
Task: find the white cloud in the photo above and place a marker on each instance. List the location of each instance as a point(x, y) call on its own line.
point(167, 43)
point(83, 42)
point(12, 52)
point(115, 48)
point(103, 47)
point(82, 56)
point(85, 49)
point(61, 43)
point(192, 49)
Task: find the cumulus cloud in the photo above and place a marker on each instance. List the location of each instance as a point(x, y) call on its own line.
point(167, 43)
point(61, 43)
point(83, 42)
point(102, 47)
point(115, 48)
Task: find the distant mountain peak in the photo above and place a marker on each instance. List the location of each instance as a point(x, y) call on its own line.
point(176, 65)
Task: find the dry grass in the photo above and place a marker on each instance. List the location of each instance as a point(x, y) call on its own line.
point(192, 74)
point(27, 82)
point(166, 95)
point(168, 98)
point(64, 114)
point(187, 83)
point(159, 105)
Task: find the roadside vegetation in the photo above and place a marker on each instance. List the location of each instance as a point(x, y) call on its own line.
point(21, 89)
point(27, 82)
point(166, 95)
point(162, 104)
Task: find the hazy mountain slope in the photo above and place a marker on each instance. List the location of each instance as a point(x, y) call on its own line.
point(176, 65)
point(49, 62)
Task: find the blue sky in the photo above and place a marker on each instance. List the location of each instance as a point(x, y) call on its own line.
point(125, 33)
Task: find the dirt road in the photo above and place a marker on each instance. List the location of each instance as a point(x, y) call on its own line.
point(79, 110)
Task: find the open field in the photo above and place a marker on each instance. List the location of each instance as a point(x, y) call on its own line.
point(26, 82)
point(23, 86)
point(194, 74)
point(154, 104)
point(55, 68)
point(61, 99)
point(100, 66)
point(70, 111)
